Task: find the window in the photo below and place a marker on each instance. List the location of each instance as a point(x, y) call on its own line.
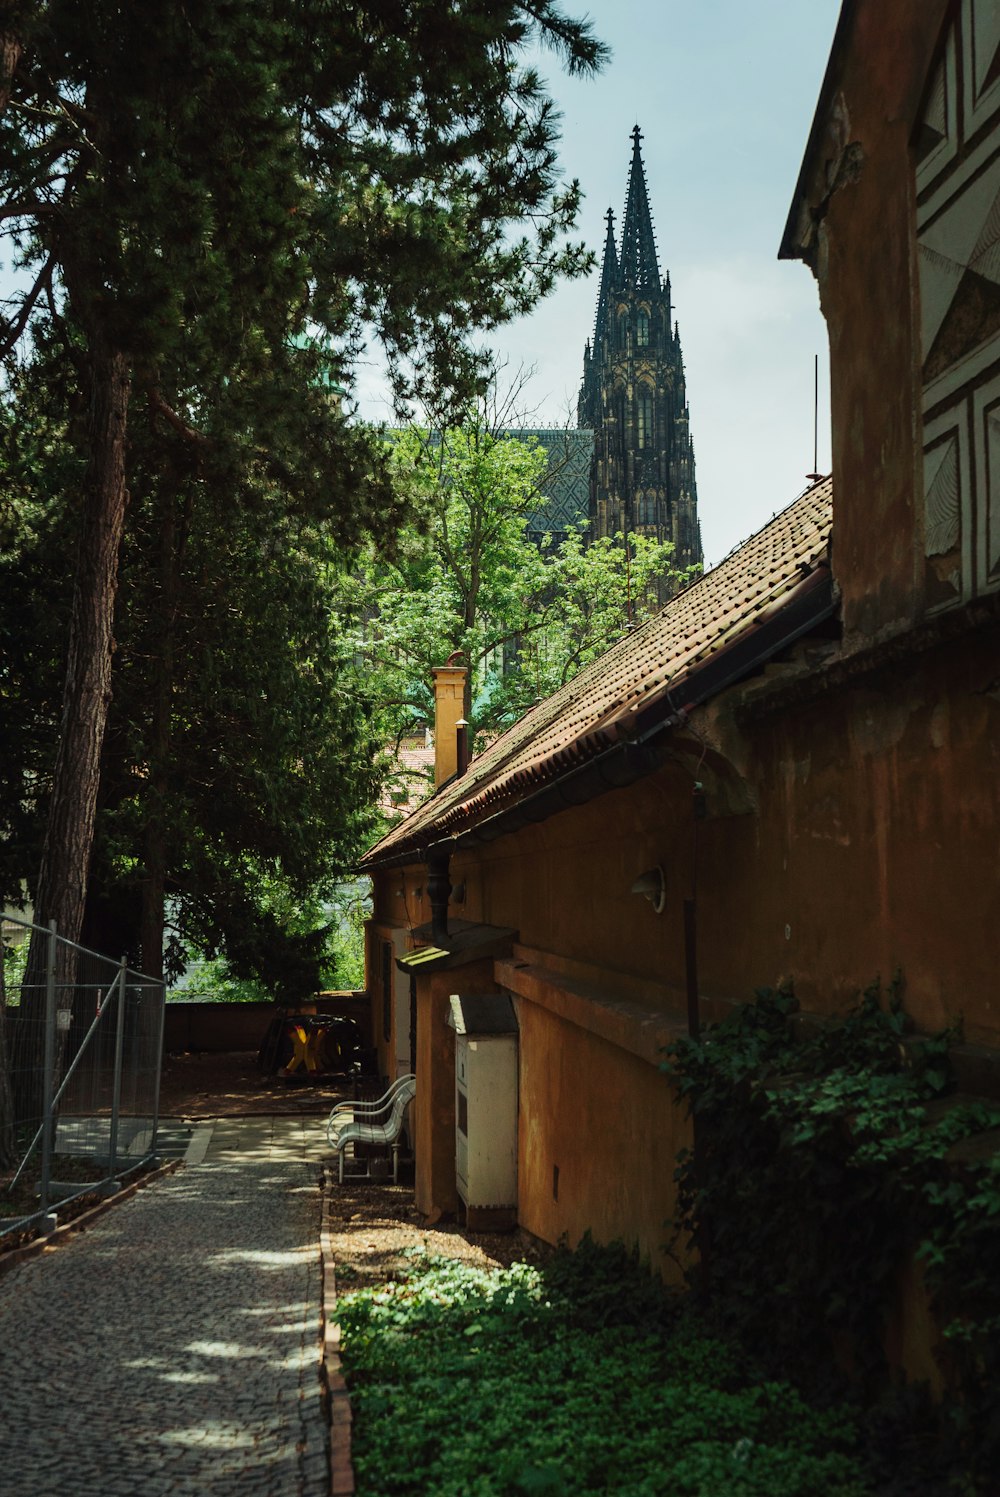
point(642, 330)
point(644, 418)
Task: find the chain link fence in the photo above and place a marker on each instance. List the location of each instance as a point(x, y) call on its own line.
point(81, 1040)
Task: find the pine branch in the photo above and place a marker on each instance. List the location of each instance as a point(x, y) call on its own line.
point(28, 207)
point(18, 325)
point(159, 407)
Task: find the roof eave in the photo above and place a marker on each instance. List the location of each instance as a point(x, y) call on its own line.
point(796, 242)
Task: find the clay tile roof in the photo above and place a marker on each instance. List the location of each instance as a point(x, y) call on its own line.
point(600, 706)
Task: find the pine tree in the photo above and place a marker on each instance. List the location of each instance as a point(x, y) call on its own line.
point(199, 191)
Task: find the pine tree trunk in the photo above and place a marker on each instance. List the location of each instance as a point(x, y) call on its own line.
point(154, 882)
point(65, 863)
point(10, 56)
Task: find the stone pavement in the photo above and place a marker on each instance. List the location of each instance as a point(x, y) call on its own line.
point(173, 1347)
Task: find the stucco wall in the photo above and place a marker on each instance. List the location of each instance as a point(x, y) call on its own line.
point(860, 189)
point(599, 1133)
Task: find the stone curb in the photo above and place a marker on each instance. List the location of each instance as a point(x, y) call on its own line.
point(337, 1396)
point(14, 1256)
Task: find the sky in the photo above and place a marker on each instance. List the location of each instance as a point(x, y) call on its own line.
point(724, 92)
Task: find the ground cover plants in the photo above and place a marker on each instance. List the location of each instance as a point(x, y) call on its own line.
point(582, 1376)
point(827, 1165)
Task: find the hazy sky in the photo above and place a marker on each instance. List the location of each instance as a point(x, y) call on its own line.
point(724, 92)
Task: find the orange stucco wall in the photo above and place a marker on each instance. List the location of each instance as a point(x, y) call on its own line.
point(866, 268)
point(608, 1122)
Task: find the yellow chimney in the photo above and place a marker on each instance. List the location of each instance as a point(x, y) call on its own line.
point(449, 697)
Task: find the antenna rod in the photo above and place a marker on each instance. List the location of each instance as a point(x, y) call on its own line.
point(815, 476)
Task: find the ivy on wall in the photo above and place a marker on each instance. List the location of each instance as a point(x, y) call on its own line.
point(824, 1164)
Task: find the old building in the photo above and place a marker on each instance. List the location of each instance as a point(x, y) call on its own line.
point(793, 770)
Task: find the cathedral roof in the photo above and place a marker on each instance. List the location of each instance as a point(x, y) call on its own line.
point(718, 631)
point(638, 266)
point(565, 485)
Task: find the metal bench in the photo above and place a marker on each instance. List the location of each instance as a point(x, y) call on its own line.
point(362, 1112)
point(369, 1130)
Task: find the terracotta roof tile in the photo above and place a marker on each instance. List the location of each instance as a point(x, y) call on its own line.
point(596, 709)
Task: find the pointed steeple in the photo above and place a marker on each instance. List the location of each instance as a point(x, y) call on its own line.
point(639, 265)
point(609, 281)
point(633, 395)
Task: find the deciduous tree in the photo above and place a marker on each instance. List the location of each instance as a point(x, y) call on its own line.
point(470, 578)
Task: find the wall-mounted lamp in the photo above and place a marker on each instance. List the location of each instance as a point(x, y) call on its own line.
point(652, 885)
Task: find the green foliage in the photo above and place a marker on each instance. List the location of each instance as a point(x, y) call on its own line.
point(15, 960)
point(212, 981)
point(190, 176)
point(212, 205)
point(320, 946)
point(38, 536)
point(583, 1377)
point(821, 1164)
point(468, 577)
point(231, 731)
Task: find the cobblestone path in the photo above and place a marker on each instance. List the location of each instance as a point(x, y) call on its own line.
point(173, 1347)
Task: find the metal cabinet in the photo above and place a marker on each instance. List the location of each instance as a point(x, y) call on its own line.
point(486, 1040)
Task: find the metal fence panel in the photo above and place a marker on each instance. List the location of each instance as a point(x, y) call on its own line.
point(83, 1042)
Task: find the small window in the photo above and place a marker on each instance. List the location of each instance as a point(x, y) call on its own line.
point(642, 330)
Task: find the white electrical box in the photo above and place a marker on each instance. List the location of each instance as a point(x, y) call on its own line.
point(486, 1108)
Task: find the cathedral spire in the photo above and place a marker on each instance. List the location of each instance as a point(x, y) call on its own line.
point(633, 395)
point(609, 280)
point(639, 267)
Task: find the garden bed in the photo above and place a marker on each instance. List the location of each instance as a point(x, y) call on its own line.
point(574, 1376)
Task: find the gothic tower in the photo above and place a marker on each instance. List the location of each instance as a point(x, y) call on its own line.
point(633, 395)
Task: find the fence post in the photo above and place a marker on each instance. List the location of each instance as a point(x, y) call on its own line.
point(48, 1068)
point(117, 1085)
point(159, 1066)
